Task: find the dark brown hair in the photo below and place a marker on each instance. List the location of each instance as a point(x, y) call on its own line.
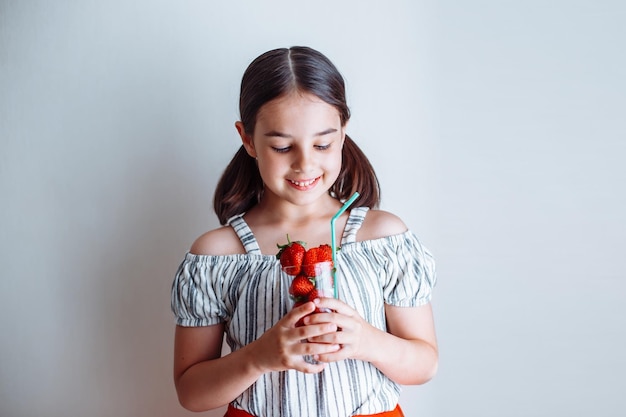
point(271, 75)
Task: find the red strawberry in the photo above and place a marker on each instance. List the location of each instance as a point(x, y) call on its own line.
point(312, 295)
point(325, 253)
point(310, 259)
point(322, 253)
point(291, 256)
point(300, 287)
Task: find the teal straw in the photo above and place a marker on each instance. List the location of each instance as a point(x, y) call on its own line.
point(333, 240)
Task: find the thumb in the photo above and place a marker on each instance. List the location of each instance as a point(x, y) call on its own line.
point(295, 316)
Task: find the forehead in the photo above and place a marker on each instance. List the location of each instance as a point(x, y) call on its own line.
point(297, 109)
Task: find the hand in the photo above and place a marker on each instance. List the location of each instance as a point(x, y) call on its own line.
point(282, 347)
point(352, 335)
point(410, 334)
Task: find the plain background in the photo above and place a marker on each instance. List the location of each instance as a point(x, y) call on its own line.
point(497, 129)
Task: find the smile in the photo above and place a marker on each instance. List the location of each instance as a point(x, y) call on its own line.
point(304, 183)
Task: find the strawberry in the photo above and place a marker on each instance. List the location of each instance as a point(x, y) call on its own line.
point(312, 295)
point(322, 253)
point(309, 261)
point(291, 256)
point(300, 287)
point(325, 253)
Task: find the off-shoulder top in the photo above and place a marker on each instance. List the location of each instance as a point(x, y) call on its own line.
point(249, 294)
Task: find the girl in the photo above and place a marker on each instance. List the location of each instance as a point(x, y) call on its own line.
point(295, 168)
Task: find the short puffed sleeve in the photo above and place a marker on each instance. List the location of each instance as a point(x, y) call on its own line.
point(197, 291)
point(409, 273)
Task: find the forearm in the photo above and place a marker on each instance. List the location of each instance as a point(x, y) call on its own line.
point(407, 362)
point(214, 383)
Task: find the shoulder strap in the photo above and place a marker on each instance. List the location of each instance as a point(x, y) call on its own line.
point(245, 235)
point(355, 220)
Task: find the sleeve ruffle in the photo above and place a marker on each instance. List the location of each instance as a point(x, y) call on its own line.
point(409, 273)
point(196, 291)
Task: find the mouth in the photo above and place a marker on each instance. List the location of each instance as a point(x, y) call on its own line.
point(304, 184)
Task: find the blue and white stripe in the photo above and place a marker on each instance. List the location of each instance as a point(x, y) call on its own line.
point(249, 293)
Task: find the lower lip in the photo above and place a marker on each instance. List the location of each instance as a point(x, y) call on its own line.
point(304, 187)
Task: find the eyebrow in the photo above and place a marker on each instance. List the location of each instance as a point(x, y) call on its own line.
point(275, 133)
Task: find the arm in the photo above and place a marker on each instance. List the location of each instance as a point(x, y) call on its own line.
point(204, 380)
point(201, 378)
point(410, 338)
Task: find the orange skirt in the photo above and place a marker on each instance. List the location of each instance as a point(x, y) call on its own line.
point(235, 412)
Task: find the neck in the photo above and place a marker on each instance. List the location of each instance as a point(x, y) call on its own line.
point(272, 220)
point(276, 211)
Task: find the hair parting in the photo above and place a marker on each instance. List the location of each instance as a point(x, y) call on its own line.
point(269, 76)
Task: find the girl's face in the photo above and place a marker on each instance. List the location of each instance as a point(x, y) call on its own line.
point(297, 142)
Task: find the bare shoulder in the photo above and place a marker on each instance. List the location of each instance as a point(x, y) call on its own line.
point(220, 241)
point(379, 224)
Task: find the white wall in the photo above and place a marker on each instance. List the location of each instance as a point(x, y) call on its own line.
point(497, 129)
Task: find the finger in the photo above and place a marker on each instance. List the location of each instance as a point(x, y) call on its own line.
point(298, 313)
point(310, 368)
point(317, 349)
point(309, 331)
point(342, 321)
point(342, 352)
point(334, 304)
point(329, 339)
point(336, 338)
point(323, 317)
point(340, 355)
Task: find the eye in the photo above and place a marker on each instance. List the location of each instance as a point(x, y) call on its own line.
point(322, 147)
point(281, 150)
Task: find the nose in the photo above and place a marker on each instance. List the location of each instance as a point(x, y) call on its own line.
point(303, 161)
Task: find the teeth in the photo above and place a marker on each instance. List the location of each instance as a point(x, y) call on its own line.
point(303, 183)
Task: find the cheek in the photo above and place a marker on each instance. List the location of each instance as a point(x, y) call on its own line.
point(334, 164)
point(269, 167)
point(338, 159)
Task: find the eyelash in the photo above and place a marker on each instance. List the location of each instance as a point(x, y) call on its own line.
point(286, 149)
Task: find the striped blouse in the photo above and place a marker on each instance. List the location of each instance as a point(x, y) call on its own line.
point(248, 293)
